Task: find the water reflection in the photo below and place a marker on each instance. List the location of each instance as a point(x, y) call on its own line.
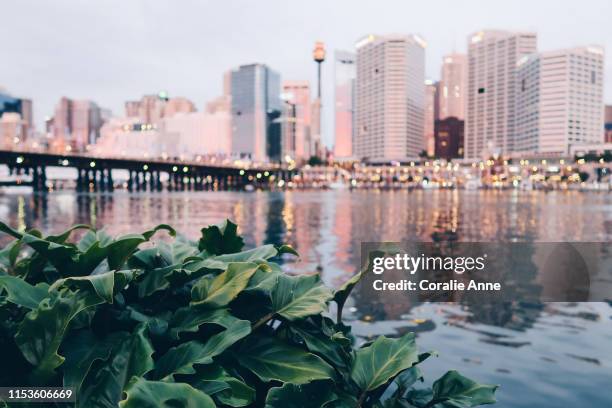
point(547, 355)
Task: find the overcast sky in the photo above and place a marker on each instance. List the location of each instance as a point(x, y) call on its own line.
point(112, 51)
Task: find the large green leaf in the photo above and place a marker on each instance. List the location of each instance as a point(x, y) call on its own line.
point(131, 357)
point(22, 293)
point(181, 359)
point(58, 254)
point(318, 342)
point(106, 285)
point(189, 319)
point(221, 239)
point(123, 247)
point(316, 394)
point(220, 291)
point(70, 259)
point(297, 297)
point(453, 390)
point(215, 381)
point(342, 294)
point(8, 256)
point(82, 349)
point(271, 359)
point(156, 394)
point(382, 361)
point(42, 329)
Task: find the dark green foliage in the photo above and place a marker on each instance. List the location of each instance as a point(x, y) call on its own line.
point(186, 324)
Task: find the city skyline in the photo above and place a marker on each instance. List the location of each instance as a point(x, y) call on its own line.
point(147, 49)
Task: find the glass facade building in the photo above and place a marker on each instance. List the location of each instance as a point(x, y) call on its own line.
point(256, 106)
point(344, 93)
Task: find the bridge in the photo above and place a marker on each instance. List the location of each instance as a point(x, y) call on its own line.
point(95, 173)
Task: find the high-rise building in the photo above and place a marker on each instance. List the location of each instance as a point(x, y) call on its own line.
point(491, 90)
point(449, 138)
point(453, 84)
point(256, 104)
point(559, 100)
point(432, 113)
point(178, 105)
point(13, 130)
point(149, 109)
point(344, 91)
point(608, 124)
point(389, 98)
point(296, 130)
point(21, 106)
point(76, 123)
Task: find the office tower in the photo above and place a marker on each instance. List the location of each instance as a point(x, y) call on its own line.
point(608, 124)
point(449, 138)
point(559, 100)
point(13, 131)
point(76, 123)
point(296, 130)
point(453, 84)
point(21, 106)
point(491, 93)
point(178, 105)
point(149, 109)
point(344, 87)
point(131, 109)
point(389, 98)
point(432, 104)
point(256, 104)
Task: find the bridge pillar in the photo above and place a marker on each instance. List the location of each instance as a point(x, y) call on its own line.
point(109, 179)
point(43, 179)
point(130, 181)
point(94, 179)
point(101, 179)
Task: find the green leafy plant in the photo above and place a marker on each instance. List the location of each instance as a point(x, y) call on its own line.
point(131, 323)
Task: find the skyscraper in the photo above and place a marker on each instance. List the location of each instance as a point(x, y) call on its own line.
point(491, 93)
point(432, 113)
point(149, 109)
point(389, 98)
point(178, 105)
point(453, 83)
point(559, 100)
point(256, 104)
point(344, 87)
point(76, 123)
point(21, 106)
point(296, 136)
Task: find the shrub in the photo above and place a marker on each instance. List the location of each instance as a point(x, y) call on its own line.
point(126, 322)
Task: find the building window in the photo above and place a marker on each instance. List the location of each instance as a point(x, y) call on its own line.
point(481, 90)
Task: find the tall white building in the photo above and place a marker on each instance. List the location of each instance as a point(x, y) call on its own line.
point(296, 129)
point(452, 88)
point(389, 98)
point(256, 104)
point(560, 100)
point(344, 90)
point(491, 91)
